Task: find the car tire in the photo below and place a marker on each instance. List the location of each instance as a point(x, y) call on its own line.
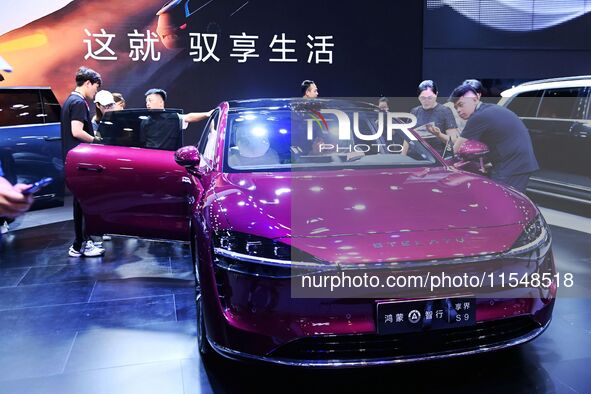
point(203, 345)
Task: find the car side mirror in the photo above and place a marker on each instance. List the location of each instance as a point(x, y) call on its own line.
point(471, 155)
point(188, 157)
point(472, 150)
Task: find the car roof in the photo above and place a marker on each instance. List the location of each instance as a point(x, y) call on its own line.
point(295, 102)
point(552, 83)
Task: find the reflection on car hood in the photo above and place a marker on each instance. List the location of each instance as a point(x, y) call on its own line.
point(355, 202)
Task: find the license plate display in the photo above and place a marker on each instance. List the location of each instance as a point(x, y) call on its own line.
point(398, 317)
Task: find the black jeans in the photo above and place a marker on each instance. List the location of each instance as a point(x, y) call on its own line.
point(78, 226)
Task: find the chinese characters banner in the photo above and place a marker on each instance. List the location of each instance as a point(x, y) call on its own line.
point(205, 52)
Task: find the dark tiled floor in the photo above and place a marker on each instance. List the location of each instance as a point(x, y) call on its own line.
point(125, 323)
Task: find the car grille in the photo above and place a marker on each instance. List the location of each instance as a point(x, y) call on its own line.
point(373, 346)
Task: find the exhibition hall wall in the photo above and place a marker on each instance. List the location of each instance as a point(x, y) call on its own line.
point(205, 52)
point(505, 42)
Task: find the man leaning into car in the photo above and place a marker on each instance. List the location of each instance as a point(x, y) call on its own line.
point(511, 149)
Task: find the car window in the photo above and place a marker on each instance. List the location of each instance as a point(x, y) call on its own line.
point(51, 107)
point(564, 103)
point(282, 140)
point(208, 142)
point(20, 107)
point(153, 129)
point(526, 104)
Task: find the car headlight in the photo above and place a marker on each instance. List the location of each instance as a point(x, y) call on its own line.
point(253, 249)
point(535, 235)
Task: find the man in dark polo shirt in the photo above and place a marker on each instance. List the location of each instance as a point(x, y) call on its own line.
point(433, 114)
point(511, 150)
point(77, 128)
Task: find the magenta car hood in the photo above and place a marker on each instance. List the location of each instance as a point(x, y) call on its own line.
point(436, 206)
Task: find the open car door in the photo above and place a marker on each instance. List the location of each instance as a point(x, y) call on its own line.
point(130, 184)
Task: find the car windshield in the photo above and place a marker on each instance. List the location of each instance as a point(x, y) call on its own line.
point(282, 140)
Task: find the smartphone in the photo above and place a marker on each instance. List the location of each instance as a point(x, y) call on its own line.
point(35, 187)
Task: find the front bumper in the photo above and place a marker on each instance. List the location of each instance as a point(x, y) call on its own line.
point(253, 317)
point(483, 337)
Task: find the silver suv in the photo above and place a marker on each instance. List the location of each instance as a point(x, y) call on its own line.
point(556, 112)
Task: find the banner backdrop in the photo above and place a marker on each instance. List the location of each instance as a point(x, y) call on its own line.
point(205, 52)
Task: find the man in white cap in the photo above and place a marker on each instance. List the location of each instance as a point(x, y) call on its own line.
point(104, 102)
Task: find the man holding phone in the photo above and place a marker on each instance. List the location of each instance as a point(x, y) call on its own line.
point(77, 128)
point(430, 114)
point(13, 202)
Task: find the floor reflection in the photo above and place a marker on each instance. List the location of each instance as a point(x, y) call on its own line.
point(126, 323)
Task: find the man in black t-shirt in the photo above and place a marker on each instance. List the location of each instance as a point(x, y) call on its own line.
point(511, 150)
point(76, 128)
point(431, 113)
point(161, 130)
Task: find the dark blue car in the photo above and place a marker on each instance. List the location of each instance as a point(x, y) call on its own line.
point(30, 141)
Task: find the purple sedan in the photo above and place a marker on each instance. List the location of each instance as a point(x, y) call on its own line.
point(328, 234)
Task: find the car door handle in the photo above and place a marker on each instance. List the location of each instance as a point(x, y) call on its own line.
point(91, 167)
point(52, 138)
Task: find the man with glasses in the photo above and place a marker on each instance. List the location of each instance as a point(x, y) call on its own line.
point(434, 115)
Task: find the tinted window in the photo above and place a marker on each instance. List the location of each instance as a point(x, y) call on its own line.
point(51, 107)
point(19, 107)
point(142, 129)
point(526, 104)
point(566, 103)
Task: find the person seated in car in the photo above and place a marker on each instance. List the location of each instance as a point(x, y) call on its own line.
point(252, 148)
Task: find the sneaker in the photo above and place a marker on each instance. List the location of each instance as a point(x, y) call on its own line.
point(73, 252)
point(91, 250)
point(98, 244)
point(106, 238)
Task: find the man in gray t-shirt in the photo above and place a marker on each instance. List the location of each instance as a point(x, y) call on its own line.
point(431, 112)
